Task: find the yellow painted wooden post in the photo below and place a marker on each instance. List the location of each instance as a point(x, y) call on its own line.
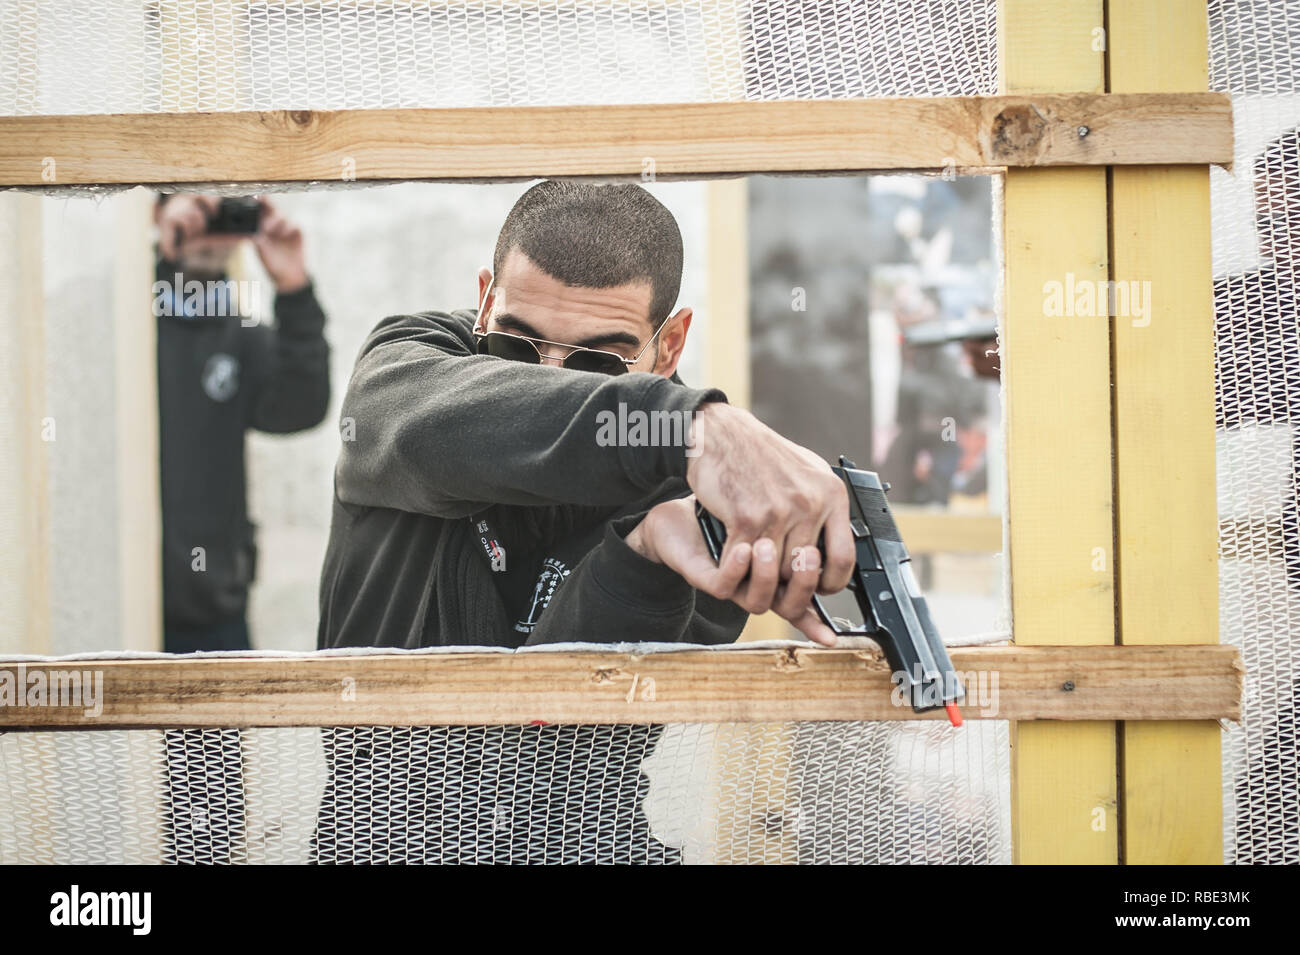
point(1058, 413)
point(1164, 438)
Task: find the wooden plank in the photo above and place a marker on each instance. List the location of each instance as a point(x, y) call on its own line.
point(1064, 801)
point(1052, 47)
point(1171, 793)
point(726, 333)
point(1164, 439)
point(1164, 414)
point(25, 545)
point(687, 686)
point(684, 139)
point(1056, 373)
point(1056, 370)
point(135, 377)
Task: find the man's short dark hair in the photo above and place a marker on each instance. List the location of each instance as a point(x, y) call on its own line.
point(597, 236)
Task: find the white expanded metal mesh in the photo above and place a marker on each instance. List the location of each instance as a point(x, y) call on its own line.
point(127, 56)
point(690, 793)
point(1254, 54)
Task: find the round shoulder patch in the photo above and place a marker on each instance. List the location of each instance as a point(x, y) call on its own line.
point(221, 376)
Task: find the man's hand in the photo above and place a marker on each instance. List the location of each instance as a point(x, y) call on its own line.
point(669, 534)
point(771, 493)
point(279, 245)
point(183, 217)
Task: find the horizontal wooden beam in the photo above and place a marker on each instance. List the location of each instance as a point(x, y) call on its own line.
point(688, 686)
point(689, 139)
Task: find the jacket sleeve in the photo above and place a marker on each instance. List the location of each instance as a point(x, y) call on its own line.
point(615, 595)
point(431, 427)
point(290, 366)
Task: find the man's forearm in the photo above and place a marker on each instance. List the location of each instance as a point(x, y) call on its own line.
point(433, 428)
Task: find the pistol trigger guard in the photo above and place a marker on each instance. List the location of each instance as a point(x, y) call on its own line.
point(715, 533)
point(839, 631)
point(826, 617)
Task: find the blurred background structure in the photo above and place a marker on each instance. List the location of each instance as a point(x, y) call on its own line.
point(816, 280)
point(846, 275)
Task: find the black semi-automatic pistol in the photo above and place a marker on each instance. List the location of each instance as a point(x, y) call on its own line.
point(893, 609)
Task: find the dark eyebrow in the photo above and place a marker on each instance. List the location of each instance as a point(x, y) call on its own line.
point(517, 324)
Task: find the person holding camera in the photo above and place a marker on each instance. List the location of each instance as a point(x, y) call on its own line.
point(221, 373)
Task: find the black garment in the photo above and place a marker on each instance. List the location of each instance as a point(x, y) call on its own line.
point(204, 814)
point(437, 440)
point(229, 634)
point(217, 379)
point(433, 434)
point(487, 794)
point(203, 792)
point(931, 390)
point(1257, 347)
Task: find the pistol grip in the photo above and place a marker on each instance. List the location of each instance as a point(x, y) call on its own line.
point(715, 533)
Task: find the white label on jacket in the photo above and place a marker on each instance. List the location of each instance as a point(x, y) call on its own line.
point(221, 377)
point(552, 575)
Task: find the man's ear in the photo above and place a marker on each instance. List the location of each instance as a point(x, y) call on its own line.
point(672, 339)
point(484, 280)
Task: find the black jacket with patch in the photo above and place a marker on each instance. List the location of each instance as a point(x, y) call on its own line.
point(216, 379)
point(437, 439)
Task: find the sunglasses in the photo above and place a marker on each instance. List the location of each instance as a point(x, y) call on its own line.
point(514, 347)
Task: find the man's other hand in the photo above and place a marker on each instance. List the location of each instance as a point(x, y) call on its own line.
point(669, 534)
point(762, 486)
